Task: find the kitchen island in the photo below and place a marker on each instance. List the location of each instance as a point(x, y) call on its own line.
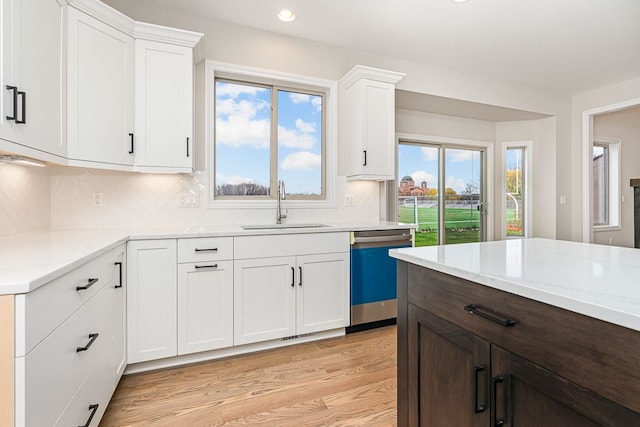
point(519, 333)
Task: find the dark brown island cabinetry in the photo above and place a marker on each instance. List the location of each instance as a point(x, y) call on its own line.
point(472, 355)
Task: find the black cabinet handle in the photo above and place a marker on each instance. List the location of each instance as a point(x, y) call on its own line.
point(14, 89)
point(364, 163)
point(293, 277)
point(187, 146)
point(206, 250)
point(90, 283)
point(494, 411)
point(131, 136)
point(478, 407)
point(93, 408)
point(300, 278)
point(92, 339)
point(119, 264)
point(23, 107)
point(207, 266)
point(473, 309)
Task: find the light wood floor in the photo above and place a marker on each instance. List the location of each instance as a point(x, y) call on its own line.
point(346, 381)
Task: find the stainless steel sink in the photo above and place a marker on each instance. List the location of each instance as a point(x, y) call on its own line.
point(281, 226)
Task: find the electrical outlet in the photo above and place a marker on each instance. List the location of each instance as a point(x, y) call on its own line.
point(98, 199)
point(349, 199)
point(188, 200)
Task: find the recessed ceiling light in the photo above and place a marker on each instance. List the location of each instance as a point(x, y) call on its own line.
point(286, 15)
point(459, 1)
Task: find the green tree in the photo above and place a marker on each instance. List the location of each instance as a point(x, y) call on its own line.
point(514, 181)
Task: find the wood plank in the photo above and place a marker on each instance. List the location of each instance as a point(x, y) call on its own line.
point(348, 380)
point(7, 360)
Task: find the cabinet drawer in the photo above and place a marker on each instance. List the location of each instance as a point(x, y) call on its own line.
point(96, 390)
point(205, 249)
point(55, 368)
point(41, 311)
point(597, 355)
point(290, 245)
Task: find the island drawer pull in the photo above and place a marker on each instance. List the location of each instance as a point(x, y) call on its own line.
point(206, 250)
point(207, 266)
point(473, 309)
point(494, 410)
point(479, 407)
point(92, 339)
point(90, 283)
point(93, 408)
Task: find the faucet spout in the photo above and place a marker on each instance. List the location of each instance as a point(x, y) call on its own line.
point(282, 195)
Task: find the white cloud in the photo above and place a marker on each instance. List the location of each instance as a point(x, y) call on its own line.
point(419, 176)
point(316, 101)
point(302, 160)
point(292, 138)
point(299, 98)
point(459, 155)
point(430, 153)
point(236, 124)
point(234, 90)
point(232, 179)
point(305, 127)
point(457, 184)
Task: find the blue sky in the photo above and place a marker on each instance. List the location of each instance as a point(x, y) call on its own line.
point(243, 136)
point(421, 163)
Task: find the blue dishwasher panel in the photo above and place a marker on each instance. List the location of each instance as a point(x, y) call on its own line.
point(373, 275)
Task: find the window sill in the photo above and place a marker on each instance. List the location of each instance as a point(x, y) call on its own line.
point(597, 228)
point(271, 204)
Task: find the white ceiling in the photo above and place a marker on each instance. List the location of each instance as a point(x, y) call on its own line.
point(556, 45)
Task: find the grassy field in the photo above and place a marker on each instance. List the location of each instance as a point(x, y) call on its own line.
point(461, 225)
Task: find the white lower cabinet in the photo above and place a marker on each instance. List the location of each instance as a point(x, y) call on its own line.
point(120, 315)
point(205, 306)
point(278, 297)
point(151, 299)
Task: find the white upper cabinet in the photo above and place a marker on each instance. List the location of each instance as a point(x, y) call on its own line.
point(100, 91)
point(164, 105)
point(367, 123)
point(32, 76)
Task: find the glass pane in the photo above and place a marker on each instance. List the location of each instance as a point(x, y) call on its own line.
point(300, 143)
point(600, 185)
point(418, 191)
point(514, 188)
point(462, 196)
point(242, 133)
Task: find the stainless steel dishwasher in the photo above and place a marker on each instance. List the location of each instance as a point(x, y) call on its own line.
point(373, 276)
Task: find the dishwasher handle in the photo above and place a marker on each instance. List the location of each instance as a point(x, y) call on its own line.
point(376, 239)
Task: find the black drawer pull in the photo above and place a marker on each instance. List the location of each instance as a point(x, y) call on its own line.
point(90, 283)
point(300, 278)
point(497, 422)
point(92, 339)
point(479, 407)
point(206, 250)
point(119, 285)
point(187, 146)
point(23, 95)
point(131, 136)
point(13, 89)
point(93, 408)
point(207, 266)
point(293, 277)
point(471, 308)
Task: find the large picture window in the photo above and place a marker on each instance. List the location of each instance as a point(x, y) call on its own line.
point(267, 132)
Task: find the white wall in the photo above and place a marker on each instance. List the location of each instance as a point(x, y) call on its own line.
point(24, 199)
point(624, 126)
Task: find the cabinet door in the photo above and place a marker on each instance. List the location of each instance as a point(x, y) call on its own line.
point(164, 105)
point(205, 306)
point(448, 373)
point(151, 300)
point(264, 299)
point(526, 395)
point(322, 300)
point(120, 330)
point(32, 62)
point(100, 91)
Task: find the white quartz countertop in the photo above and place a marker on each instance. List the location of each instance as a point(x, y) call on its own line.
point(599, 281)
point(28, 261)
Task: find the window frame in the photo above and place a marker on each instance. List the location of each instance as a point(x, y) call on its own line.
point(527, 188)
point(614, 195)
point(278, 81)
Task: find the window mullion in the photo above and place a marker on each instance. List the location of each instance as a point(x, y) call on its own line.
point(273, 173)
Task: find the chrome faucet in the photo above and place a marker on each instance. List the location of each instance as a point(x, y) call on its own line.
point(282, 195)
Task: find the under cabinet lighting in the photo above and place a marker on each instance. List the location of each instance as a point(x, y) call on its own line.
point(20, 160)
point(286, 15)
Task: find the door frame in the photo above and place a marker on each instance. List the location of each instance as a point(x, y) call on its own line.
point(488, 172)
